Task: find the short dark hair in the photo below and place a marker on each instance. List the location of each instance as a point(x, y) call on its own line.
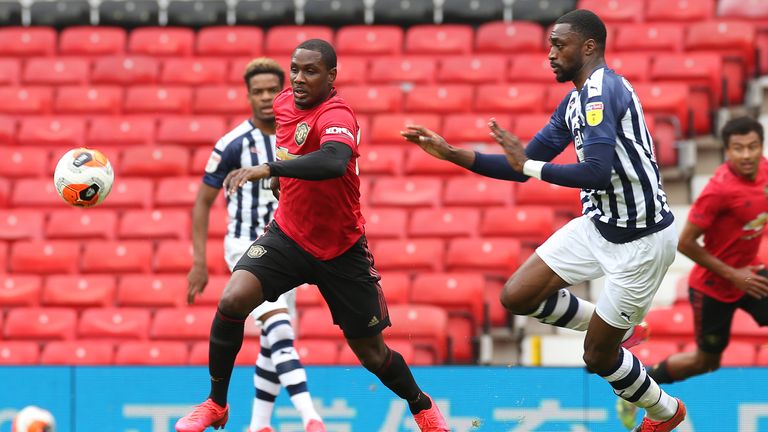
point(263, 65)
point(587, 24)
point(327, 53)
point(741, 126)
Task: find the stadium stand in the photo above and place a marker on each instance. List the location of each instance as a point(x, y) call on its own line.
point(154, 84)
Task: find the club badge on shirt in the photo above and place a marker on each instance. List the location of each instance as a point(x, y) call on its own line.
point(256, 251)
point(594, 113)
point(302, 130)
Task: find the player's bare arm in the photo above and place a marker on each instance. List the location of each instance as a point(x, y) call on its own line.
point(197, 278)
point(274, 185)
point(512, 146)
point(435, 145)
point(743, 278)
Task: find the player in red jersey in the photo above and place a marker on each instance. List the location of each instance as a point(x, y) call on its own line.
point(730, 214)
point(317, 236)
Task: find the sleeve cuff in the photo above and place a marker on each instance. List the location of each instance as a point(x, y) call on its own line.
point(532, 168)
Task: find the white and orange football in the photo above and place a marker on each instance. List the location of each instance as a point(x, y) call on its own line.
point(83, 177)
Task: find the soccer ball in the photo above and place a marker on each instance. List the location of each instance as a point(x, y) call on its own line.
point(33, 419)
point(83, 177)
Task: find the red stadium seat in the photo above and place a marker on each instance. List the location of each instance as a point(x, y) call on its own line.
point(227, 41)
point(80, 353)
point(154, 224)
point(478, 69)
point(282, 40)
point(52, 131)
point(193, 71)
point(10, 71)
point(439, 39)
point(445, 222)
point(7, 130)
point(351, 71)
point(56, 71)
point(125, 70)
point(509, 37)
point(396, 286)
point(409, 255)
point(154, 353)
point(157, 99)
point(318, 351)
point(78, 291)
point(218, 222)
point(447, 99)
point(77, 223)
point(406, 192)
point(191, 130)
point(238, 65)
point(632, 66)
point(387, 160)
point(701, 71)
point(648, 38)
point(216, 284)
point(27, 41)
point(130, 193)
point(535, 192)
point(528, 125)
point(385, 222)
point(121, 131)
point(615, 11)
point(88, 100)
point(522, 98)
point(177, 191)
point(45, 257)
point(21, 224)
point(308, 295)
point(20, 290)
point(471, 128)
point(92, 41)
point(386, 127)
point(25, 100)
point(369, 40)
point(531, 223)
point(161, 41)
point(183, 324)
point(317, 323)
point(762, 356)
point(36, 192)
point(405, 69)
point(734, 40)
point(679, 11)
point(175, 256)
point(114, 323)
point(746, 329)
point(493, 255)
point(665, 98)
point(651, 352)
point(3, 248)
point(454, 292)
point(40, 323)
point(167, 160)
point(672, 321)
point(419, 162)
point(737, 354)
point(130, 256)
point(19, 353)
point(477, 191)
point(373, 99)
point(531, 68)
point(153, 290)
point(425, 326)
point(221, 100)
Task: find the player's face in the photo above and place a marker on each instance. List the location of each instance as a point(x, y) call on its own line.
point(743, 153)
point(311, 80)
point(565, 52)
point(262, 89)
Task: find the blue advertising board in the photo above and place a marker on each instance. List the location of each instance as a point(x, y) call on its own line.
point(497, 399)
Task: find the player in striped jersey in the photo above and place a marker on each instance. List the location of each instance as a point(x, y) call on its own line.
point(252, 143)
point(626, 232)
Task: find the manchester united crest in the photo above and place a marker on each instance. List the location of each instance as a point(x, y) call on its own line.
point(256, 251)
point(302, 130)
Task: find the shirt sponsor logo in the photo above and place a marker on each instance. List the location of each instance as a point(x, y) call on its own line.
point(594, 113)
point(336, 130)
point(302, 130)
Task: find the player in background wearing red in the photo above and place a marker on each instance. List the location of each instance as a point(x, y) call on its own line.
point(251, 143)
point(730, 215)
point(317, 236)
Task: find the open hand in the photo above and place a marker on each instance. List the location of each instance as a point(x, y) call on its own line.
point(428, 140)
point(512, 146)
point(237, 178)
point(751, 283)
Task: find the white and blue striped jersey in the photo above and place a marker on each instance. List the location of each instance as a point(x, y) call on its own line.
point(608, 111)
point(253, 206)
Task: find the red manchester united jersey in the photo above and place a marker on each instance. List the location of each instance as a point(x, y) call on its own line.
point(732, 211)
point(322, 216)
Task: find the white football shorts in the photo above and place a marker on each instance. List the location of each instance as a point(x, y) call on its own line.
point(633, 271)
point(234, 248)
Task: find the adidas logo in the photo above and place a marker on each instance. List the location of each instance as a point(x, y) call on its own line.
point(373, 322)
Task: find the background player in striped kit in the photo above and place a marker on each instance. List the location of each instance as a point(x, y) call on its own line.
point(251, 143)
point(626, 232)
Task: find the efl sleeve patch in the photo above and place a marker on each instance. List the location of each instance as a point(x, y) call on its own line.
point(594, 113)
point(213, 163)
